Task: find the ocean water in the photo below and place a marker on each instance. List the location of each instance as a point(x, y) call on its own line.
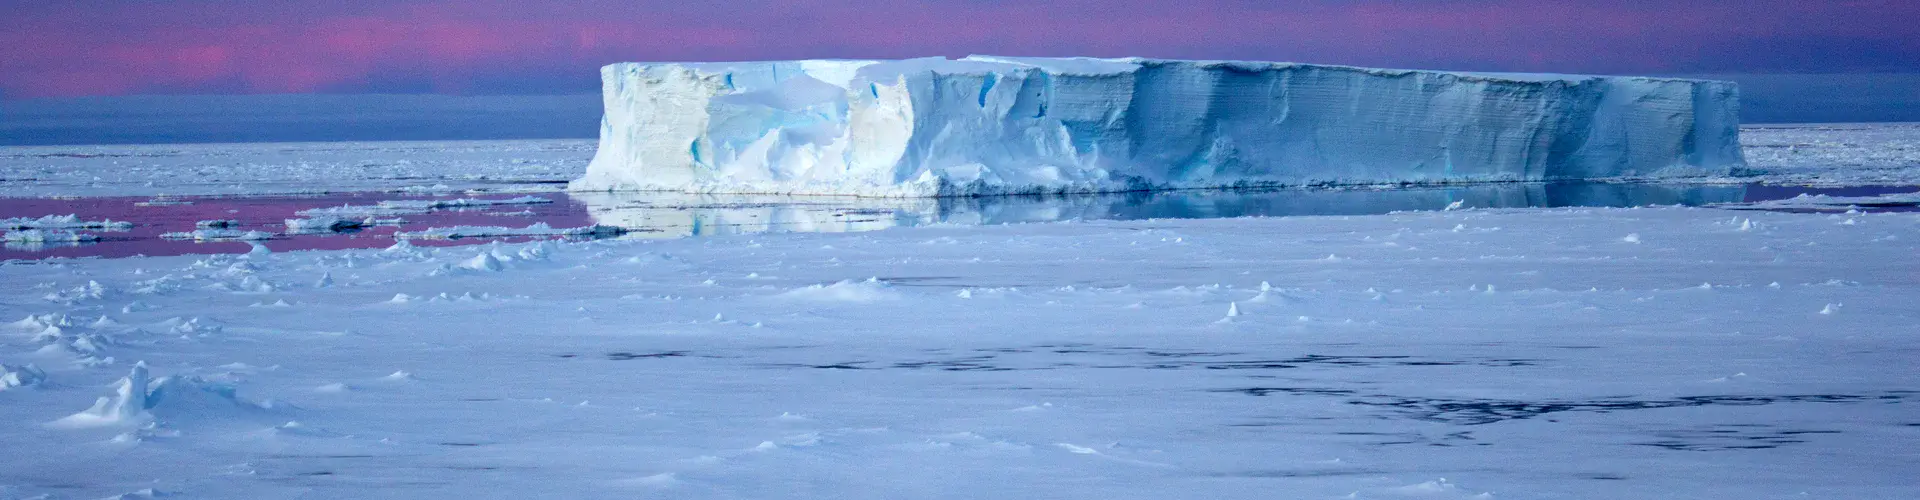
point(671, 215)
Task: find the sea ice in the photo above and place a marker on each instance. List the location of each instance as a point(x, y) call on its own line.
point(68, 221)
point(1085, 364)
point(1832, 203)
point(48, 236)
point(326, 224)
point(220, 235)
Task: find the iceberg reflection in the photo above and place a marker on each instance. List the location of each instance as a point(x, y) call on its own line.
point(673, 215)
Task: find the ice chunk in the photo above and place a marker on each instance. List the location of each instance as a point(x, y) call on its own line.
point(219, 235)
point(69, 221)
point(20, 376)
point(483, 262)
point(48, 236)
point(137, 397)
point(126, 407)
point(325, 224)
point(997, 125)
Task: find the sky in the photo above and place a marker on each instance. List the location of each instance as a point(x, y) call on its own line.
point(88, 51)
point(118, 47)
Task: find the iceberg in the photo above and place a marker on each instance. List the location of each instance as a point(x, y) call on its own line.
point(984, 125)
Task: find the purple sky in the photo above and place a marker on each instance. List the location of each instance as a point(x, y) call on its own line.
point(117, 47)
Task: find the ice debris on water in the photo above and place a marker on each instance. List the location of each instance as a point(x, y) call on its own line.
point(423, 205)
point(48, 236)
point(326, 224)
point(219, 235)
point(350, 217)
point(537, 229)
point(69, 221)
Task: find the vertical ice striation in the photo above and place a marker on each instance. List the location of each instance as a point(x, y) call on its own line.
point(1000, 125)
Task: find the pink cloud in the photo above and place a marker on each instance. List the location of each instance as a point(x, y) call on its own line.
point(157, 47)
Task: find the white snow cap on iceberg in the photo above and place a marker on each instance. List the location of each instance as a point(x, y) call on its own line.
point(998, 125)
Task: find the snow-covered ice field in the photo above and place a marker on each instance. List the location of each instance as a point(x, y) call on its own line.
point(1835, 154)
point(1567, 353)
point(1661, 352)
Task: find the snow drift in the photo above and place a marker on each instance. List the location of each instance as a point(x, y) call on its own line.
point(139, 399)
point(998, 125)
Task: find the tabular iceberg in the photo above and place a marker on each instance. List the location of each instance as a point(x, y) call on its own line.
point(1003, 125)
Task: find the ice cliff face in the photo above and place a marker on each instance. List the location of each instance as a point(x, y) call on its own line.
point(998, 125)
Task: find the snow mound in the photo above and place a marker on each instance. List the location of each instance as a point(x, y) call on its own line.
point(537, 251)
point(12, 377)
point(1002, 125)
point(537, 229)
point(870, 290)
point(38, 322)
point(60, 336)
point(138, 399)
point(1823, 202)
point(139, 494)
point(128, 406)
point(93, 290)
point(484, 262)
